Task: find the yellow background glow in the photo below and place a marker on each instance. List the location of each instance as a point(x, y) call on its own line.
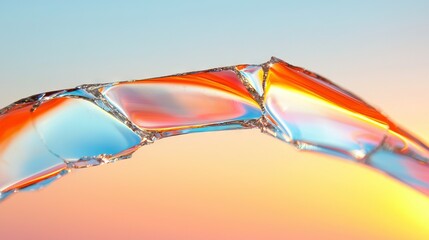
point(223, 185)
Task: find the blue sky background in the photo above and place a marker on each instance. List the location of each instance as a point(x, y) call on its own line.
point(47, 45)
point(378, 49)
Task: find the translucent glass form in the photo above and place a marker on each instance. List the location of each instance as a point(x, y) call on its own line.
point(44, 136)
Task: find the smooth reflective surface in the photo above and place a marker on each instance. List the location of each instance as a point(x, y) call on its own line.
point(64, 122)
point(179, 102)
point(24, 159)
point(44, 136)
point(316, 114)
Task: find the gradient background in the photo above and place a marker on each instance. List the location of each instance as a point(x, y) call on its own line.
point(224, 185)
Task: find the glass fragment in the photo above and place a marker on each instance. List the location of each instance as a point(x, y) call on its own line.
point(44, 136)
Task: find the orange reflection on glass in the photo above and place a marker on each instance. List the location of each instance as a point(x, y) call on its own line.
point(47, 134)
point(182, 101)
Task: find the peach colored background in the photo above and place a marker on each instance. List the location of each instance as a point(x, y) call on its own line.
point(225, 185)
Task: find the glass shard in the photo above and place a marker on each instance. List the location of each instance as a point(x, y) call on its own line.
point(76, 129)
point(44, 136)
point(24, 159)
point(180, 102)
point(315, 114)
point(254, 75)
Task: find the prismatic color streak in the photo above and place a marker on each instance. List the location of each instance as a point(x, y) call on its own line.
point(180, 102)
point(46, 135)
point(24, 160)
point(315, 114)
